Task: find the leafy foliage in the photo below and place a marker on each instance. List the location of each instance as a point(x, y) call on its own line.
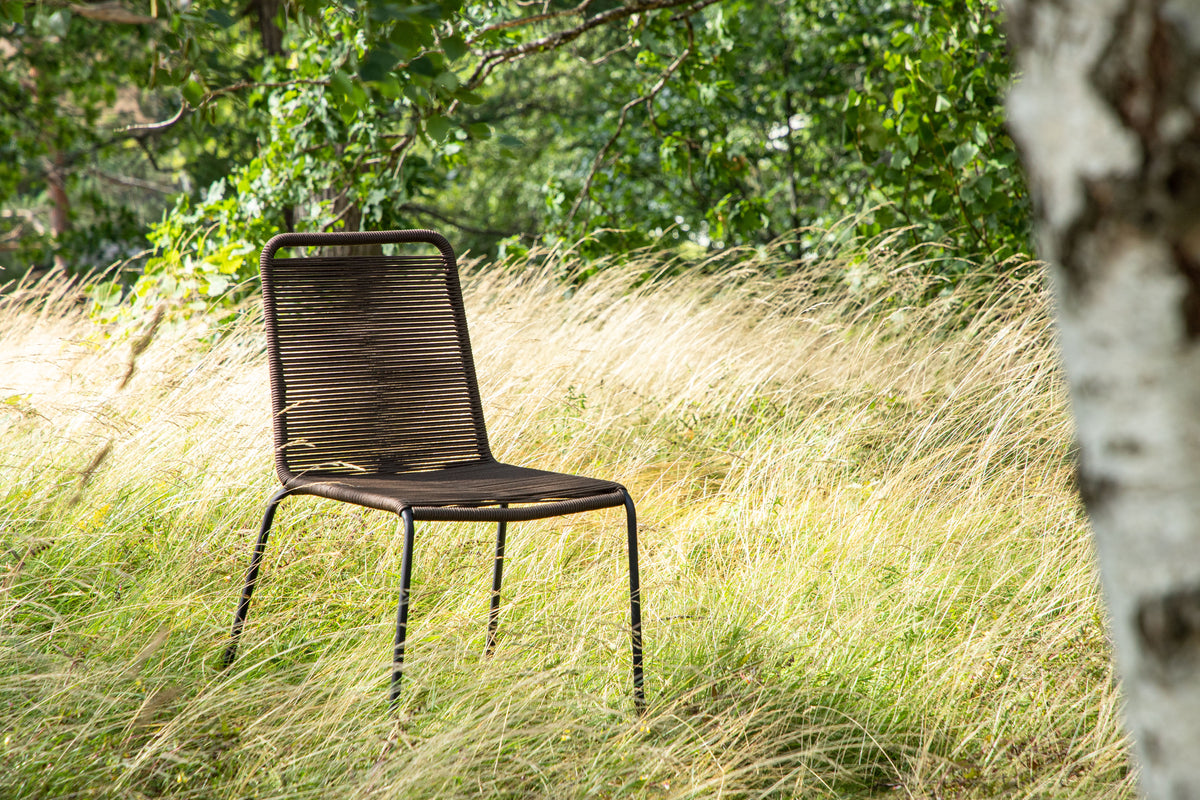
point(696, 124)
point(83, 173)
point(928, 118)
point(788, 115)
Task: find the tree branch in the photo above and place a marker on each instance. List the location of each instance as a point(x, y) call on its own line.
point(687, 12)
point(153, 128)
point(494, 58)
point(648, 99)
point(595, 62)
point(237, 87)
point(132, 183)
point(462, 226)
point(110, 11)
point(530, 20)
point(149, 129)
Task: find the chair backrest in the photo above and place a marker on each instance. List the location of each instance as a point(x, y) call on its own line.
point(370, 363)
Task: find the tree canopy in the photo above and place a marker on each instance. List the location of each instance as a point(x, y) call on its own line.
point(694, 124)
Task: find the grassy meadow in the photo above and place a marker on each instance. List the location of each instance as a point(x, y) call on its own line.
point(865, 572)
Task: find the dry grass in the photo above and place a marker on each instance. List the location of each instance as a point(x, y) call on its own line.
point(864, 567)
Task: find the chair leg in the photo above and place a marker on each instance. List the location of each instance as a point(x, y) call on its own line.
point(243, 606)
point(402, 610)
point(635, 607)
point(497, 576)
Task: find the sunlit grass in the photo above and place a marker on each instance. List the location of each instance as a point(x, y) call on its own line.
point(864, 568)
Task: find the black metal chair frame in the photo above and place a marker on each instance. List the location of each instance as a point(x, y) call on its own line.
point(406, 493)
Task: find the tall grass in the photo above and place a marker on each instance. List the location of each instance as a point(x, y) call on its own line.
point(864, 568)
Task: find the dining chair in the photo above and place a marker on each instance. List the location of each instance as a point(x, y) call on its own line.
point(375, 402)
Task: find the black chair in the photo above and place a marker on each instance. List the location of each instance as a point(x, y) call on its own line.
point(376, 403)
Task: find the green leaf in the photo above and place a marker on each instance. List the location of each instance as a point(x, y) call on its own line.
point(217, 284)
point(342, 86)
point(57, 23)
point(348, 95)
point(13, 11)
point(942, 104)
point(423, 66)
point(377, 63)
point(468, 97)
point(404, 35)
point(389, 88)
point(446, 80)
point(385, 10)
point(218, 17)
point(415, 94)
point(455, 47)
point(981, 135)
point(193, 92)
point(963, 154)
point(437, 127)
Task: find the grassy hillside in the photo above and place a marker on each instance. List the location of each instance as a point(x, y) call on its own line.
point(865, 572)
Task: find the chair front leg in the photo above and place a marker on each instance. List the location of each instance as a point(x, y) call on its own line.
point(402, 610)
point(635, 606)
point(497, 576)
point(243, 606)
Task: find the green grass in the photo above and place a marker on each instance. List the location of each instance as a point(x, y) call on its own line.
point(865, 571)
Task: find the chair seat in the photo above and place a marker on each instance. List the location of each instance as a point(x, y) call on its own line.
point(476, 491)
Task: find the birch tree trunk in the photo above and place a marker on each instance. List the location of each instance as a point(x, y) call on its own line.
point(1106, 113)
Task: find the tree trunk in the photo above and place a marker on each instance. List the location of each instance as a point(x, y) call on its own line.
point(793, 161)
point(270, 35)
point(60, 203)
point(1106, 113)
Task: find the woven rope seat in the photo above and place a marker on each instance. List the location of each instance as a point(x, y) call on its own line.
point(469, 492)
point(376, 403)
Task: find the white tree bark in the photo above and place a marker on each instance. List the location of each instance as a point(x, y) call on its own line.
point(1106, 112)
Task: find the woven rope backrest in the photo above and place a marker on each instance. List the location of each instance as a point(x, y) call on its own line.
point(371, 368)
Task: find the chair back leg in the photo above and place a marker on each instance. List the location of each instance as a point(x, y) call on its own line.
point(497, 577)
point(243, 606)
point(402, 609)
point(635, 607)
